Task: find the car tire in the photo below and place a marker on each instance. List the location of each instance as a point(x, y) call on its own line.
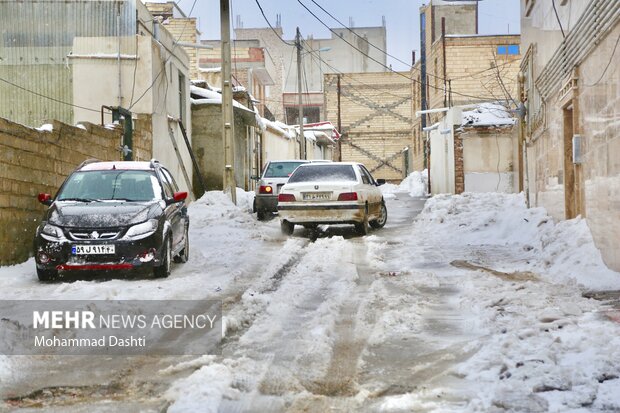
point(261, 215)
point(184, 253)
point(287, 227)
point(47, 275)
point(380, 222)
point(362, 227)
point(163, 270)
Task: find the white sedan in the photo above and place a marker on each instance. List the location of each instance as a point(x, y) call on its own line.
point(332, 193)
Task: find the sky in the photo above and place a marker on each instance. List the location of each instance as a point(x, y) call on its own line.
point(402, 19)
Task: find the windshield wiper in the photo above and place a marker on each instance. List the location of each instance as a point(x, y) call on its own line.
point(79, 199)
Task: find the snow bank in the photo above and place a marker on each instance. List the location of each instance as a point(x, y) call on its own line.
point(415, 184)
point(565, 250)
point(200, 392)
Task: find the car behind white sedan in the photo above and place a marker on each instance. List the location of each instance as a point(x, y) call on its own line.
point(332, 193)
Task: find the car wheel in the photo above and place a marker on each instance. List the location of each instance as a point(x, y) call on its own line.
point(287, 227)
point(163, 270)
point(47, 275)
point(362, 227)
point(184, 253)
point(261, 215)
point(380, 222)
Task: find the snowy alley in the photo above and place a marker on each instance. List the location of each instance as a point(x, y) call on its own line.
point(469, 303)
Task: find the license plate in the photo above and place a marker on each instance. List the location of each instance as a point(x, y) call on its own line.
point(317, 196)
point(92, 249)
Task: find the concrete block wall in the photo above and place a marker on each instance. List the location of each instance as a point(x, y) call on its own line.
point(376, 117)
point(33, 161)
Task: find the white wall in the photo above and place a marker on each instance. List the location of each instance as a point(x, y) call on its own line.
point(442, 162)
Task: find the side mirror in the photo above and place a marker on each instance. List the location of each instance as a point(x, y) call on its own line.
point(380, 182)
point(179, 196)
point(45, 199)
point(255, 178)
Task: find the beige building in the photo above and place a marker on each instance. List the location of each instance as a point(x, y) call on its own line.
point(373, 114)
point(573, 99)
point(458, 66)
point(319, 56)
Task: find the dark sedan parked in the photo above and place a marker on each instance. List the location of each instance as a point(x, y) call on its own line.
point(113, 216)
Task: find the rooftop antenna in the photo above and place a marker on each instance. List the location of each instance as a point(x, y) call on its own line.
point(278, 20)
point(383, 20)
point(351, 23)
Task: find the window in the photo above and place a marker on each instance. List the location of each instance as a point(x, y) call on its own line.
point(368, 176)
point(323, 173)
point(512, 49)
point(281, 169)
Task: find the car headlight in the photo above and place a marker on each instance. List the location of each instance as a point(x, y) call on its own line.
point(142, 230)
point(52, 233)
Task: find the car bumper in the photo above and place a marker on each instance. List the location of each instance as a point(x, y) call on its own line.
point(322, 213)
point(137, 255)
point(267, 203)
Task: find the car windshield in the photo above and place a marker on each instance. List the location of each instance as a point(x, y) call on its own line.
point(111, 185)
point(281, 169)
point(323, 173)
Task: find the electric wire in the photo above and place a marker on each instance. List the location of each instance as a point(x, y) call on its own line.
point(607, 66)
point(48, 97)
point(270, 26)
point(383, 65)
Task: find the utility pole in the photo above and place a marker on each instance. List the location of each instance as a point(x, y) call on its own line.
point(302, 151)
point(339, 122)
point(228, 123)
point(524, 182)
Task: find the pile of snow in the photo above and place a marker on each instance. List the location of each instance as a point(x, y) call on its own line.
point(415, 184)
point(565, 250)
point(488, 114)
point(47, 127)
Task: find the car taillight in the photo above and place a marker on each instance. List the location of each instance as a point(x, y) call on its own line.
point(286, 198)
point(265, 189)
point(347, 196)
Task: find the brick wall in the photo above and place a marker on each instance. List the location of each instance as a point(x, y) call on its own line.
point(33, 161)
point(459, 168)
point(376, 113)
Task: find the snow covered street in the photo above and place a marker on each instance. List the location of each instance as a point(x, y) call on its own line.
point(469, 303)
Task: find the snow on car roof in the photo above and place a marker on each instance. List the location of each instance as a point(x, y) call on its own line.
point(108, 166)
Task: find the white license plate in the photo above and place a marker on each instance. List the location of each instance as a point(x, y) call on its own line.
point(92, 249)
point(317, 196)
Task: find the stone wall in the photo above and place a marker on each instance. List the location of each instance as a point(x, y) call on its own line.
point(597, 109)
point(33, 161)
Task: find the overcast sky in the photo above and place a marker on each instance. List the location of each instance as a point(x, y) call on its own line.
point(402, 19)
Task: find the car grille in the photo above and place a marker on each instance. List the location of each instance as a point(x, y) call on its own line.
point(94, 235)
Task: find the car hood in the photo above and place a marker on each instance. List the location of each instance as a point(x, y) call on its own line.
point(101, 214)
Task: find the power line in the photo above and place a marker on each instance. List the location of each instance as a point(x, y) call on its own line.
point(272, 28)
point(48, 97)
point(361, 37)
point(380, 63)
